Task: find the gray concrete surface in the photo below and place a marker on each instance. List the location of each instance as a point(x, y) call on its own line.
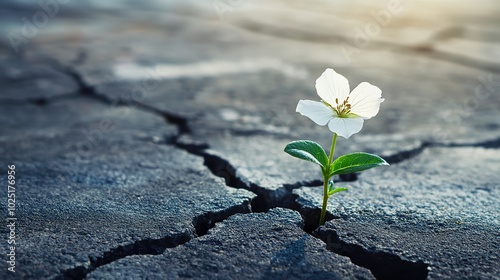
point(148, 140)
point(243, 246)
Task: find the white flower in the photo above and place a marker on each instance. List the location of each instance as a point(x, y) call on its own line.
point(344, 112)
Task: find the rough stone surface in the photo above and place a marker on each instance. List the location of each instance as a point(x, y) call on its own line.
point(253, 246)
point(259, 159)
point(423, 209)
point(90, 215)
point(134, 133)
point(78, 126)
point(124, 194)
point(32, 80)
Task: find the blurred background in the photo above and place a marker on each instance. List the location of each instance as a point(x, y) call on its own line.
point(244, 64)
point(108, 109)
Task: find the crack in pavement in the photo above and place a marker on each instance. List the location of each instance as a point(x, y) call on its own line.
point(201, 224)
point(89, 90)
point(409, 154)
point(182, 123)
point(380, 263)
point(383, 265)
point(141, 247)
point(86, 89)
point(41, 101)
point(488, 144)
point(425, 49)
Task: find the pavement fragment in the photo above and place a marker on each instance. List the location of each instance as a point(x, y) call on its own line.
point(253, 246)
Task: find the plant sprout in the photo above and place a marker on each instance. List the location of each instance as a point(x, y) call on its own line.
point(344, 112)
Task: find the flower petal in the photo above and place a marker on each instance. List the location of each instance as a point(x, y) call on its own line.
point(345, 127)
point(316, 111)
point(365, 100)
point(331, 85)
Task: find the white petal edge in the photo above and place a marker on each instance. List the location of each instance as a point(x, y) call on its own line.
point(365, 100)
point(316, 111)
point(345, 127)
point(331, 85)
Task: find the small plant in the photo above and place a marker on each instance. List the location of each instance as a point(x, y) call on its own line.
point(344, 112)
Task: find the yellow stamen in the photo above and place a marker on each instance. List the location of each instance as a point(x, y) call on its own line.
point(343, 109)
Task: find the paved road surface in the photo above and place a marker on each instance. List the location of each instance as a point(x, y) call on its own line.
point(148, 140)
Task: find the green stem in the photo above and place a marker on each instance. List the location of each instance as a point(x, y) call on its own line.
point(326, 178)
point(325, 201)
point(332, 150)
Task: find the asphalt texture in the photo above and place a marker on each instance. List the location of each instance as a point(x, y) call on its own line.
point(148, 140)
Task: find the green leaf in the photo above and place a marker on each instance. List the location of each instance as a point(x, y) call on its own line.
point(355, 162)
point(332, 191)
point(308, 150)
point(330, 186)
point(336, 190)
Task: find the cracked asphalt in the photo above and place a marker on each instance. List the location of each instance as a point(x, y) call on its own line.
point(148, 140)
